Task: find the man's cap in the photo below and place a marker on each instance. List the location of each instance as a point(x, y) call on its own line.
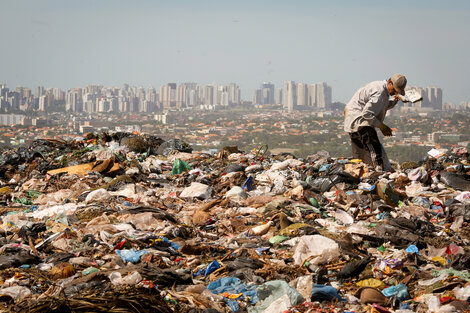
point(399, 83)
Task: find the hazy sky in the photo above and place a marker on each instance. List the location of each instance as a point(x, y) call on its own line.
point(64, 43)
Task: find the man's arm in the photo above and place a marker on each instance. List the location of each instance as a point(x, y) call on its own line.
point(387, 131)
point(370, 112)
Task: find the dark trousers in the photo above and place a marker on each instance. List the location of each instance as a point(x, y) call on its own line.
point(366, 146)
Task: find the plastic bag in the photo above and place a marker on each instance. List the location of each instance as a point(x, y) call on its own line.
point(196, 190)
point(418, 174)
point(271, 291)
point(462, 293)
point(16, 292)
point(399, 290)
point(323, 292)
point(129, 255)
point(321, 248)
point(214, 265)
point(180, 166)
point(464, 197)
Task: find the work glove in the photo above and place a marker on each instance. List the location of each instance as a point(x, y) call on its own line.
point(387, 131)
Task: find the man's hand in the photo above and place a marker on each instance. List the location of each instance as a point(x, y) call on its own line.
point(387, 131)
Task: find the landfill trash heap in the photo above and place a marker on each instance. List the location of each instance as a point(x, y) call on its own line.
point(132, 223)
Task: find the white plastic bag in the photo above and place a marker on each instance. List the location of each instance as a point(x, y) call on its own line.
point(316, 248)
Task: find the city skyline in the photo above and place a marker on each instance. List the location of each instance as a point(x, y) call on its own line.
point(71, 43)
point(188, 95)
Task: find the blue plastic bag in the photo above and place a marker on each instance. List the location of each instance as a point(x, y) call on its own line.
point(323, 292)
point(324, 167)
point(211, 267)
point(412, 249)
point(129, 255)
point(233, 285)
point(399, 290)
point(172, 244)
point(248, 184)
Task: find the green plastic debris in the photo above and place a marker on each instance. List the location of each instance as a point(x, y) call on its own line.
point(313, 202)
point(452, 272)
point(170, 299)
point(23, 200)
point(89, 270)
point(309, 179)
point(277, 239)
point(60, 218)
point(34, 193)
point(381, 248)
point(309, 208)
point(179, 167)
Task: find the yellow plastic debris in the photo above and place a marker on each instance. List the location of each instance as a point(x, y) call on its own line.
point(371, 282)
point(439, 259)
point(355, 161)
point(5, 190)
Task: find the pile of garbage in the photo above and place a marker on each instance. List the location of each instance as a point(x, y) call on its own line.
point(132, 223)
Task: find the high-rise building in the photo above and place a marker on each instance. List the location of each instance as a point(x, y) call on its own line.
point(93, 89)
point(133, 103)
point(233, 94)
point(88, 101)
point(302, 94)
point(152, 95)
point(267, 92)
point(45, 101)
point(168, 96)
point(318, 95)
point(209, 95)
point(290, 95)
point(103, 105)
point(114, 105)
point(312, 95)
point(3, 90)
point(123, 105)
point(193, 98)
point(323, 95)
point(181, 96)
point(73, 100)
point(58, 95)
point(258, 96)
point(223, 95)
point(14, 100)
point(434, 96)
point(40, 90)
point(187, 95)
